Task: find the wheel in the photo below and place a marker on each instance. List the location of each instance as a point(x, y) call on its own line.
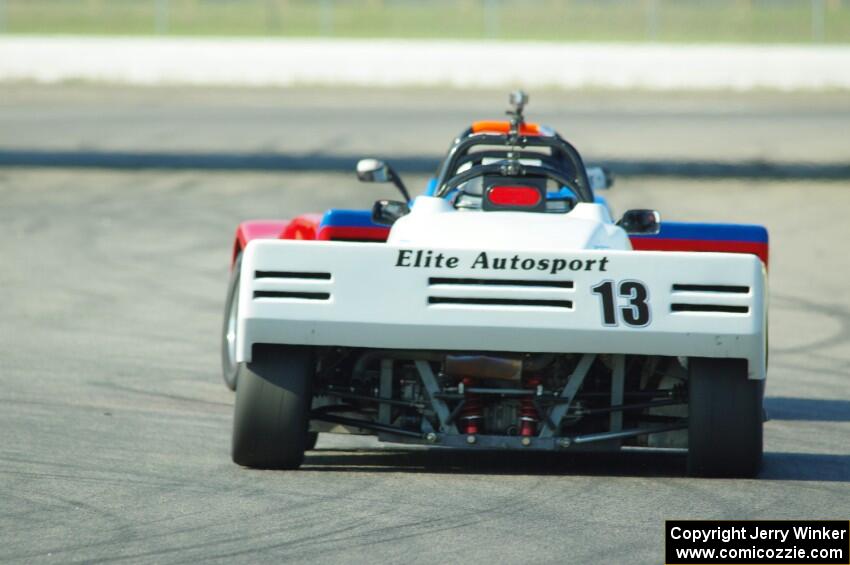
point(312, 438)
point(725, 419)
point(229, 366)
point(273, 408)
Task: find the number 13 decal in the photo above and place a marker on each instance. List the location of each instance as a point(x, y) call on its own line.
point(635, 311)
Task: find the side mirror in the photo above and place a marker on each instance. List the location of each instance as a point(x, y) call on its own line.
point(641, 222)
point(375, 170)
point(600, 178)
point(372, 170)
point(386, 212)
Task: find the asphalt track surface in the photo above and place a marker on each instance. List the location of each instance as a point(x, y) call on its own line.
point(116, 426)
point(760, 135)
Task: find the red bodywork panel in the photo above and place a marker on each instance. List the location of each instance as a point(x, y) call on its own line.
point(353, 233)
point(753, 248)
point(305, 226)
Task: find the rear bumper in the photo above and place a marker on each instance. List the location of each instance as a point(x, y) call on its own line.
point(375, 296)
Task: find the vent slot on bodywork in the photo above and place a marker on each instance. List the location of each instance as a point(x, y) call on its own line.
point(709, 308)
point(722, 288)
point(501, 292)
point(291, 275)
point(298, 285)
point(501, 301)
point(291, 294)
point(499, 282)
point(703, 294)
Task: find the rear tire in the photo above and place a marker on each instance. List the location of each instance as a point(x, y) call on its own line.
point(229, 366)
point(272, 411)
point(312, 438)
point(725, 419)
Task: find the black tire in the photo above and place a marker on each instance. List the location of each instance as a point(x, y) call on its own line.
point(229, 367)
point(272, 413)
point(312, 438)
point(725, 419)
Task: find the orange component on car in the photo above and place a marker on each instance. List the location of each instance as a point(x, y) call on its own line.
point(503, 126)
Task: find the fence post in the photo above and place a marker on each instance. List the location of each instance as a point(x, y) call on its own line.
point(652, 17)
point(818, 21)
point(272, 18)
point(162, 15)
point(492, 19)
point(326, 18)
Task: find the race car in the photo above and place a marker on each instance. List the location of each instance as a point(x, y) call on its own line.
point(504, 308)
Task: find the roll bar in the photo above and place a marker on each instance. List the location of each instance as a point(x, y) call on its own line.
point(562, 151)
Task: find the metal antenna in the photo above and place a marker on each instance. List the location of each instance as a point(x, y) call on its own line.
point(518, 99)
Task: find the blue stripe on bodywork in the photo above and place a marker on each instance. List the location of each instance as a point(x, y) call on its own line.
point(349, 218)
point(431, 187)
point(669, 230)
point(712, 232)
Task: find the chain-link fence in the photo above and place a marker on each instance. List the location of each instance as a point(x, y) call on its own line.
point(750, 21)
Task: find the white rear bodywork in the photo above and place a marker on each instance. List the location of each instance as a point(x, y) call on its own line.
point(373, 295)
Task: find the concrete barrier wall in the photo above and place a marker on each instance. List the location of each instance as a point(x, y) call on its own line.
point(400, 63)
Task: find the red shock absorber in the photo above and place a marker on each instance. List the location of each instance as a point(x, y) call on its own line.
point(470, 415)
point(528, 416)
